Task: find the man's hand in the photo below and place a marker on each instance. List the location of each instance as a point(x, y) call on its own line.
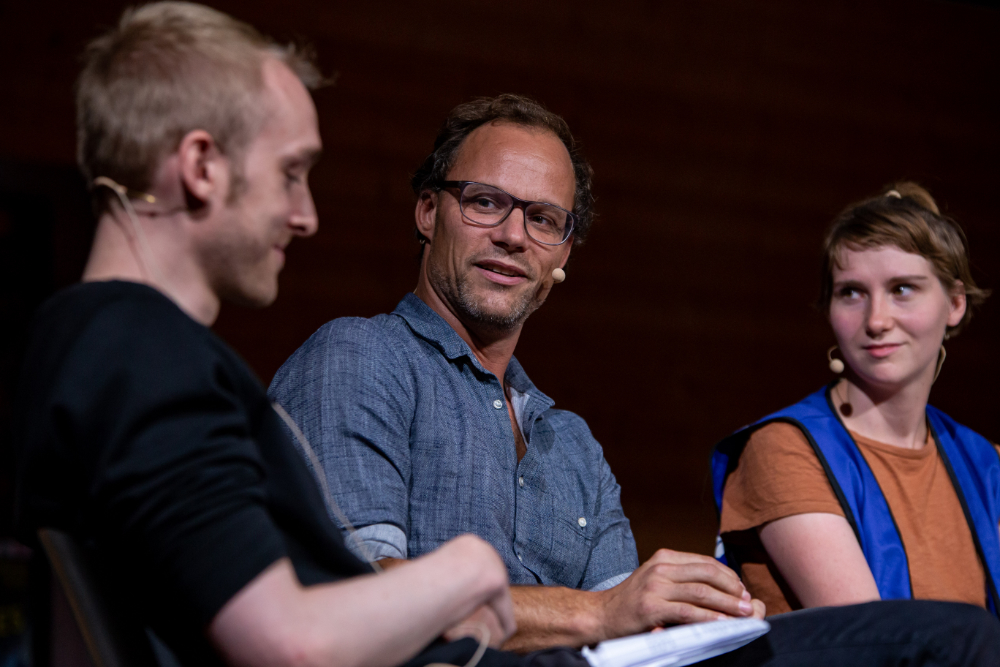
point(496, 613)
point(376, 620)
point(669, 588)
point(484, 618)
point(674, 587)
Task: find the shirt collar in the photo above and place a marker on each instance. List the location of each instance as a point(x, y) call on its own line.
point(430, 326)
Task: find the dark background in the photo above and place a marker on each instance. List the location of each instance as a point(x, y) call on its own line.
point(724, 135)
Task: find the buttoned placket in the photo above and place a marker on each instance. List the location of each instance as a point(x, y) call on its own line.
point(526, 491)
point(536, 511)
point(521, 496)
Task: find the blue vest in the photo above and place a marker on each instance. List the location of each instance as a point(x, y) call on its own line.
point(970, 459)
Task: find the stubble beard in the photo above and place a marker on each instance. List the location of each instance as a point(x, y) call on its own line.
point(245, 279)
point(240, 267)
point(460, 294)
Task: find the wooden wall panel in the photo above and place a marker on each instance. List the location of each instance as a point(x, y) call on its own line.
point(724, 135)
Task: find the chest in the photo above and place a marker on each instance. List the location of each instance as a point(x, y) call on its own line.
point(940, 550)
point(465, 476)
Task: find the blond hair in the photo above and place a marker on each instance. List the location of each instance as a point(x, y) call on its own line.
point(169, 68)
point(907, 217)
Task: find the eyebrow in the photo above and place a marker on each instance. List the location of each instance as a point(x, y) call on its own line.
point(306, 158)
point(910, 279)
point(916, 278)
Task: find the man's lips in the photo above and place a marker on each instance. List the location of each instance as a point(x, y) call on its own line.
point(882, 350)
point(501, 272)
point(281, 253)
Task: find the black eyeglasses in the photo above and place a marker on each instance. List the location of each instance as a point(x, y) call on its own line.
point(488, 206)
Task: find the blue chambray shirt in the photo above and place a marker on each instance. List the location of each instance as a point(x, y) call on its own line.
point(416, 443)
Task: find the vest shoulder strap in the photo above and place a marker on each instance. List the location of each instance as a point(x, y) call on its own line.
point(851, 479)
point(974, 467)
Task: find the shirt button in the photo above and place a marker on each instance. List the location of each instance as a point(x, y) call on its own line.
point(520, 558)
point(582, 522)
point(498, 404)
point(520, 481)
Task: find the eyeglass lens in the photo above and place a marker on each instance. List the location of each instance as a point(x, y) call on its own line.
point(487, 205)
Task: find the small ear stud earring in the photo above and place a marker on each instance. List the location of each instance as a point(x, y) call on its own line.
point(558, 275)
point(836, 365)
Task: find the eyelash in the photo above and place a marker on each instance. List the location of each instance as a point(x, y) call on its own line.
point(851, 292)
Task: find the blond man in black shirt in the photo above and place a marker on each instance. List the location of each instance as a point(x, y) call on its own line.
point(144, 436)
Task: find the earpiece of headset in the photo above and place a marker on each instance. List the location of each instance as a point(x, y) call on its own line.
point(145, 254)
point(122, 191)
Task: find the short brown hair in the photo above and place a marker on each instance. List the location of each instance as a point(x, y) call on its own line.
point(169, 68)
point(907, 217)
point(507, 108)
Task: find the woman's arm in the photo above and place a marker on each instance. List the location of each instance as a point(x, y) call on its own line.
point(374, 620)
point(820, 558)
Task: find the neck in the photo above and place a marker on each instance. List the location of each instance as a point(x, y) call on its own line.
point(168, 265)
point(493, 349)
point(895, 416)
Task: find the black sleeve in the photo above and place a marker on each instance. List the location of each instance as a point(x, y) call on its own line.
point(175, 491)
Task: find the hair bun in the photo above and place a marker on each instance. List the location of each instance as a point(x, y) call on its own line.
point(916, 193)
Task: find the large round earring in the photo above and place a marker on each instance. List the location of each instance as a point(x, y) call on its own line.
point(940, 363)
point(836, 365)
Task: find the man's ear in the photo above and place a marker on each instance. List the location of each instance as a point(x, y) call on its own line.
point(204, 170)
point(425, 214)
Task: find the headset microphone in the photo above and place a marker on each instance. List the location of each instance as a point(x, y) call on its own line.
point(145, 254)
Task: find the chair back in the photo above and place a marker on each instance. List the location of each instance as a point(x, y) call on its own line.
point(111, 637)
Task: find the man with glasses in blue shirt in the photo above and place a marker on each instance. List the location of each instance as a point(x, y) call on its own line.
point(428, 427)
point(425, 421)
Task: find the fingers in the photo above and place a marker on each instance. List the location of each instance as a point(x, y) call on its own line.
point(674, 587)
point(473, 626)
point(719, 572)
point(710, 599)
point(503, 608)
point(696, 589)
point(720, 578)
point(759, 610)
point(683, 557)
point(677, 613)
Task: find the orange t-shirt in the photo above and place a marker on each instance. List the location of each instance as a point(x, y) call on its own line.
point(780, 475)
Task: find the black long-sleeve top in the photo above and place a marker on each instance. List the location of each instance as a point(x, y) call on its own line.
point(147, 438)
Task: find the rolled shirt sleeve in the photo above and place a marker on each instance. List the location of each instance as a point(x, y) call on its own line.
point(613, 557)
point(350, 395)
point(380, 540)
point(415, 440)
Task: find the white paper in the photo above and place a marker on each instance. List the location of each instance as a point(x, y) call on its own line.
point(677, 646)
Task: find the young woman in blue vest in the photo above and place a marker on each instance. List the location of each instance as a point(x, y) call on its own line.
point(862, 491)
